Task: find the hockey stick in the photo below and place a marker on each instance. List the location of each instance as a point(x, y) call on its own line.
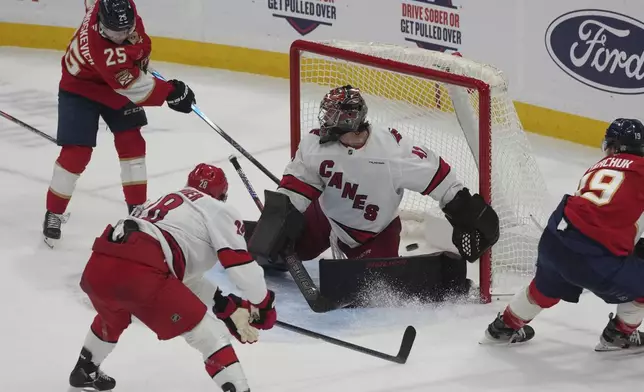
point(28, 127)
point(226, 137)
point(403, 352)
point(320, 304)
point(249, 187)
point(309, 290)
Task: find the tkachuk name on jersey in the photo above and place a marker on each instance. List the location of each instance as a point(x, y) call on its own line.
point(617, 163)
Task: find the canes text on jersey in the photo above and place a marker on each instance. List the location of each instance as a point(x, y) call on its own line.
point(349, 190)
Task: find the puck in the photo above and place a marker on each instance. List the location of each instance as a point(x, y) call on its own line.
point(411, 247)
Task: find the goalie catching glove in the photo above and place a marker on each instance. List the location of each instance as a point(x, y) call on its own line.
point(475, 223)
point(242, 318)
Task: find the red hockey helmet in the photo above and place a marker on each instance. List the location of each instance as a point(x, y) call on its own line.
point(209, 179)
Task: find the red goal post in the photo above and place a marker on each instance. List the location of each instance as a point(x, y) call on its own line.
point(421, 87)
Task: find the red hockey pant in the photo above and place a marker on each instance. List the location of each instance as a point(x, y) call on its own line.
point(132, 279)
point(316, 238)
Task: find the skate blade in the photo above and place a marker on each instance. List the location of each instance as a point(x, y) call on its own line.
point(489, 340)
point(612, 350)
point(50, 242)
point(87, 389)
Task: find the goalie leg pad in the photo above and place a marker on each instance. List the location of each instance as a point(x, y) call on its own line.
point(279, 225)
point(475, 223)
point(430, 277)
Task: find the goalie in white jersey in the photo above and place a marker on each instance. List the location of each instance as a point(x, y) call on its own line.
point(348, 178)
point(151, 265)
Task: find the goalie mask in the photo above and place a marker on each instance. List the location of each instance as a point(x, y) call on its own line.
point(342, 110)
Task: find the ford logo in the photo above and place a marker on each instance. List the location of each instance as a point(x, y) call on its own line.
point(601, 49)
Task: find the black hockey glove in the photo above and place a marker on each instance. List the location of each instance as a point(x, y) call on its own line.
point(475, 223)
point(181, 98)
point(279, 226)
point(639, 248)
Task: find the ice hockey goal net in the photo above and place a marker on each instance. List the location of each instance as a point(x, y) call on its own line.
point(458, 108)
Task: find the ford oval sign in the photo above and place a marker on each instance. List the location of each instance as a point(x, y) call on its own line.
point(601, 49)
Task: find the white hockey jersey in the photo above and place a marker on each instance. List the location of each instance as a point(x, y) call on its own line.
point(195, 231)
point(359, 190)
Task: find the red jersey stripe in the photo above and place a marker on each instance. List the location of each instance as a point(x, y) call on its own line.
point(359, 236)
point(442, 172)
point(234, 257)
point(300, 187)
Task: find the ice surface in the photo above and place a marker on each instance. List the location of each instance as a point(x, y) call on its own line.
point(46, 316)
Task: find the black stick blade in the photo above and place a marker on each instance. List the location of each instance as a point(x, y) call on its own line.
point(407, 343)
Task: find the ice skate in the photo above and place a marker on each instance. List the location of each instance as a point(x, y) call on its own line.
point(88, 377)
point(51, 227)
point(499, 333)
point(613, 339)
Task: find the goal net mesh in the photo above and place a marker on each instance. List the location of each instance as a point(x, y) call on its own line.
point(444, 118)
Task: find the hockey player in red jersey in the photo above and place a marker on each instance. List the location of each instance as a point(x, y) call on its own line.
point(151, 265)
point(347, 180)
point(592, 242)
point(104, 74)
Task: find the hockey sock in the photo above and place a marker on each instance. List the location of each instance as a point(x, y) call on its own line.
point(525, 306)
point(630, 315)
point(98, 342)
point(71, 162)
point(211, 338)
point(130, 147)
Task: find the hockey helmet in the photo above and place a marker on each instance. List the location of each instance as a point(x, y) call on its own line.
point(342, 110)
point(116, 19)
point(625, 135)
point(210, 180)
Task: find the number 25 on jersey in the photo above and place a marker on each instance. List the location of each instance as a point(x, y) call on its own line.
point(74, 58)
point(600, 186)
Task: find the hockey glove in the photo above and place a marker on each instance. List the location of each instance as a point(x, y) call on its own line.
point(235, 313)
point(181, 97)
point(475, 223)
point(264, 315)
